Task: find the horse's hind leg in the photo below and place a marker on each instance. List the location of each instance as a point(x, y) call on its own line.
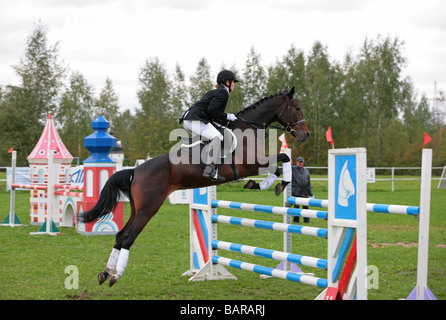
point(111, 265)
point(114, 255)
point(130, 235)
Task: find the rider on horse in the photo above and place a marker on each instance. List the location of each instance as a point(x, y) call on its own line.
point(211, 108)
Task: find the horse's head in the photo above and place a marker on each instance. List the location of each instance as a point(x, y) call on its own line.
point(283, 108)
point(290, 116)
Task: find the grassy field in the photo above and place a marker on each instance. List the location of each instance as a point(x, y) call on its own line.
point(33, 267)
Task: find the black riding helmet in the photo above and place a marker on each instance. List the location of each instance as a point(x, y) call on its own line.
point(224, 76)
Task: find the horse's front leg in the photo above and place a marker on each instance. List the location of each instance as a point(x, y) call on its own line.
point(269, 181)
point(286, 165)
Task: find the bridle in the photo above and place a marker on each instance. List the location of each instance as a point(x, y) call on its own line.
point(288, 128)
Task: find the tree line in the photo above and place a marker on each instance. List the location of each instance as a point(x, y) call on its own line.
point(365, 99)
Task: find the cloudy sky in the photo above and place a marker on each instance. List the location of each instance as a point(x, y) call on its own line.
point(113, 38)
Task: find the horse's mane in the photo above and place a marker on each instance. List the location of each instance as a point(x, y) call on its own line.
point(256, 104)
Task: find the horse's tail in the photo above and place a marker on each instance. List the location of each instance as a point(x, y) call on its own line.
point(108, 200)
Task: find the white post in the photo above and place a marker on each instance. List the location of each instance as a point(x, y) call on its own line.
point(423, 233)
point(52, 172)
point(393, 179)
point(50, 192)
point(12, 202)
point(11, 214)
point(361, 230)
point(287, 245)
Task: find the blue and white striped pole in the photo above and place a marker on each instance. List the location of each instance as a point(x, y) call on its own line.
point(276, 226)
point(308, 202)
point(271, 254)
point(371, 207)
point(270, 209)
point(305, 279)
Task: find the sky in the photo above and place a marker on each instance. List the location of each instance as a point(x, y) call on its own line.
point(114, 38)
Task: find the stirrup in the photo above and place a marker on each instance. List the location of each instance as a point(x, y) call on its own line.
point(211, 172)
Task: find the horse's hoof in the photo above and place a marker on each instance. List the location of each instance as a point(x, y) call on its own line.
point(102, 277)
point(249, 184)
point(278, 190)
point(113, 280)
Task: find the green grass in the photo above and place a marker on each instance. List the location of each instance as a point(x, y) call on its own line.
point(33, 267)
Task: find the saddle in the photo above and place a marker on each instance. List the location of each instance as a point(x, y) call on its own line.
point(199, 148)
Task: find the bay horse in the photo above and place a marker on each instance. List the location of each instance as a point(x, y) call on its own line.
point(149, 184)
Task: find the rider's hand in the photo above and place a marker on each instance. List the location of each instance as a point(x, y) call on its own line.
point(231, 116)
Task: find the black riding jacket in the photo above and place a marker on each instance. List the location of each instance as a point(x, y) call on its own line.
point(211, 107)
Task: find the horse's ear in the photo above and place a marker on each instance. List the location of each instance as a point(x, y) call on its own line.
point(291, 93)
point(286, 90)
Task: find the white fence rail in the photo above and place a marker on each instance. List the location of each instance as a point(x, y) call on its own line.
point(377, 176)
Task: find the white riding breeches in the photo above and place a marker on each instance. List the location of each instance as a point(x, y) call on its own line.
point(206, 130)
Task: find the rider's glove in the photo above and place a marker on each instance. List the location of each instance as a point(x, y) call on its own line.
point(231, 116)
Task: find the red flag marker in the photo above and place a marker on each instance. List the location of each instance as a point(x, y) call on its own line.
point(329, 137)
point(284, 144)
point(426, 139)
point(11, 150)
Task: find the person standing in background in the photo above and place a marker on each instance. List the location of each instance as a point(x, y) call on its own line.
point(301, 184)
